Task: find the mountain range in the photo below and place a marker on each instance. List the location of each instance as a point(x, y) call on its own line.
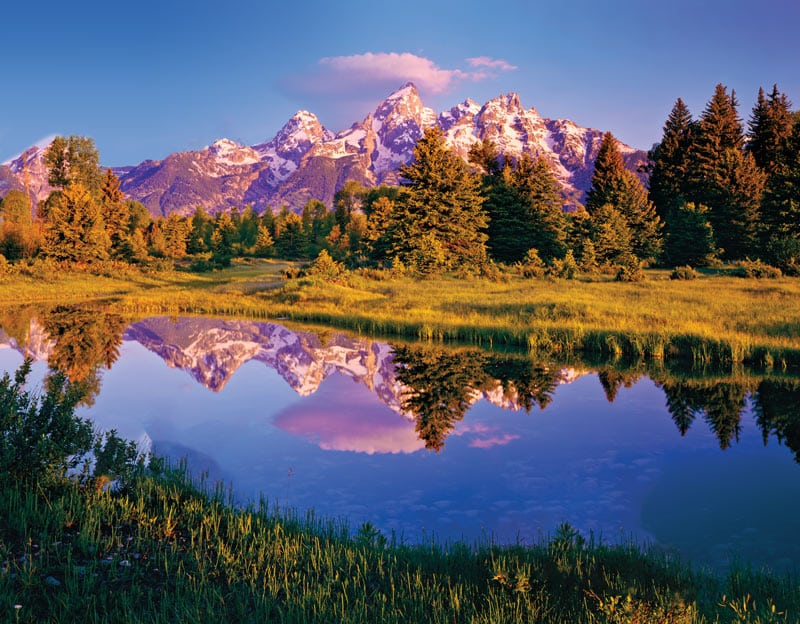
point(305, 160)
point(212, 350)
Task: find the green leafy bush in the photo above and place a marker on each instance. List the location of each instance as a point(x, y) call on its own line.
point(42, 440)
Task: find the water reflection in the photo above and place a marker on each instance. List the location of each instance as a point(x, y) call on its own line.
point(517, 443)
point(430, 386)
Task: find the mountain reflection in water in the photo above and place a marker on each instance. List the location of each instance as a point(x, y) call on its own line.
point(638, 452)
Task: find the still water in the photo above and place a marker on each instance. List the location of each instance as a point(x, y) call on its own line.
point(436, 443)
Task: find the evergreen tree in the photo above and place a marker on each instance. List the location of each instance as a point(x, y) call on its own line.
point(442, 206)
point(74, 229)
point(781, 204)
point(377, 234)
point(669, 178)
point(613, 185)
point(736, 216)
point(18, 237)
point(769, 128)
point(725, 179)
point(116, 214)
point(248, 229)
point(176, 235)
point(223, 237)
point(290, 238)
point(264, 241)
point(610, 234)
point(200, 235)
point(690, 237)
point(543, 219)
point(607, 176)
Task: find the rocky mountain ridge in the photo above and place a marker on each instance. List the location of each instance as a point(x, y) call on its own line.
point(212, 350)
point(307, 161)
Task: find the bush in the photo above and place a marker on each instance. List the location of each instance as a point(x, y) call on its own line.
point(326, 268)
point(785, 254)
point(532, 265)
point(683, 273)
point(41, 438)
point(756, 269)
point(629, 269)
point(565, 268)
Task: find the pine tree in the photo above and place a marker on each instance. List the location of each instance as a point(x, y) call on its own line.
point(725, 179)
point(781, 204)
point(613, 185)
point(543, 219)
point(176, 235)
point(18, 238)
point(669, 178)
point(610, 234)
point(264, 241)
point(690, 237)
point(116, 214)
point(200, 234)
point(769, 128)
point(74, 229)
point(442, 203)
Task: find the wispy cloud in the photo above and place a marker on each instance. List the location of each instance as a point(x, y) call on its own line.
point(392, 67)
point(489, 62)
point(345, 74)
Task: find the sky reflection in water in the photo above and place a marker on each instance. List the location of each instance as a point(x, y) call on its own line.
point(619, 469)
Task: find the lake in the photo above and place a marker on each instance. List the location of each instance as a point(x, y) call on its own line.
point(445, 443)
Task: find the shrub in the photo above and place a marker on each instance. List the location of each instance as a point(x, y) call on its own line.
point(326, 268)
point(41, 438)
point(628, 269)
point(756, 269)
point(683, 273)
point(565, 268)
point(532, 265)
point(785, 254)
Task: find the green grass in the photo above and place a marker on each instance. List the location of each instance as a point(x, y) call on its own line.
point(717, 318)
point(163, 551)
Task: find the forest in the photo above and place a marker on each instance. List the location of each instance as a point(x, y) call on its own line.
point(713, 192)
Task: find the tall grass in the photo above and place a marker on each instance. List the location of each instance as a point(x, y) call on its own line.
point(712, 319)
point(164, 551)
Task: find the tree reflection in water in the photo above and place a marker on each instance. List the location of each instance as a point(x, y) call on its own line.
point(442, 384)
point(85, 341)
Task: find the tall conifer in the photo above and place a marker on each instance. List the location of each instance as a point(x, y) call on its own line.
point(613, 185)
point(442, 208)
point(769, 128)
point(670, 158)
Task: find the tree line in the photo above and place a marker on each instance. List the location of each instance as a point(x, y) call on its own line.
point(716, 193)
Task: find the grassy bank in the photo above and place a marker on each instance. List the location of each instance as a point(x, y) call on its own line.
point(162, 551)
point(716, 318)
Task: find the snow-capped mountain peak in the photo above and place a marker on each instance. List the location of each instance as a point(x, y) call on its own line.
point(305, 160)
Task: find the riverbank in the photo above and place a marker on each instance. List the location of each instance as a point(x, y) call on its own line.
point(714, 318)
point(160, 550)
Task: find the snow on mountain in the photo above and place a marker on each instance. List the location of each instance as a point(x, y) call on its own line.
point(28, 173)
point(304, 160)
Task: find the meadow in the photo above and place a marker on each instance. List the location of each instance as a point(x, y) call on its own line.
point(715, 318)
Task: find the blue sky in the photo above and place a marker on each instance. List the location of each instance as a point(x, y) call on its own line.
point(148, 78)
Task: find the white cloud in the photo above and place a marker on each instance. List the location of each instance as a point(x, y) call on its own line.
point(395, 68)
point(388, 70)
point(487, 61)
